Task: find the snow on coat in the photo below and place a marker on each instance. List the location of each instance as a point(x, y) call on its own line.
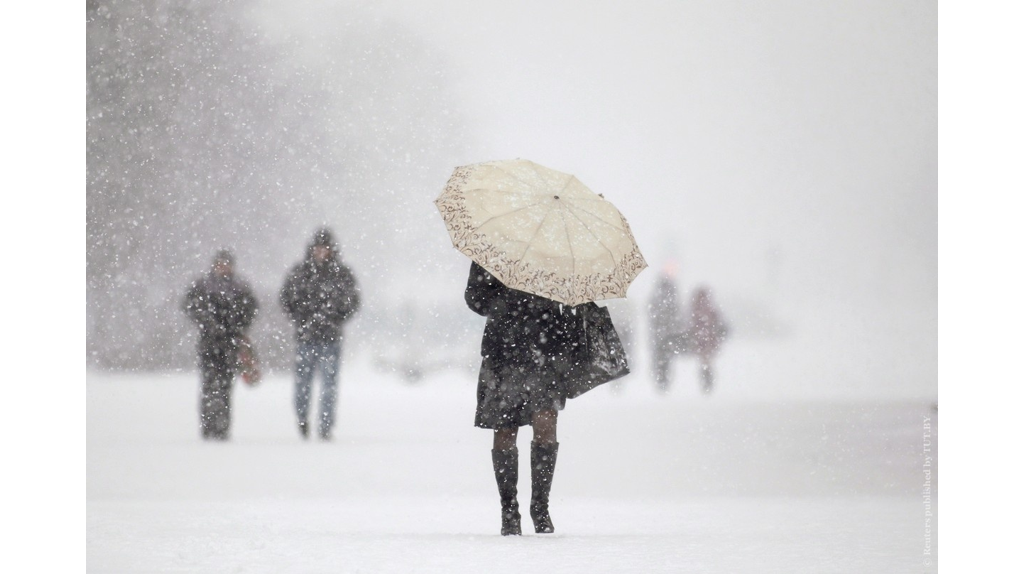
point(522, 329)
point(222, 306)
point(320, 297)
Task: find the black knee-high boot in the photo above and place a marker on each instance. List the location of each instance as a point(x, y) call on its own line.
point(506, 472)
point(542, 471)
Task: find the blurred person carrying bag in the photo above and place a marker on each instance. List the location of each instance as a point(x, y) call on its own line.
point(600, 357)
point(248, 362)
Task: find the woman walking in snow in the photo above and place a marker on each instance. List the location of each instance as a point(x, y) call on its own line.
point(526, 351)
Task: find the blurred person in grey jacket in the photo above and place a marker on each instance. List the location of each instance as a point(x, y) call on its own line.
point(319, 296)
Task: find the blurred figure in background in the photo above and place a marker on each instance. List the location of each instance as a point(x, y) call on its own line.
point(666, 325)
point(705, 334)
point(319, 296)
point(622, 313)
point(223, 307)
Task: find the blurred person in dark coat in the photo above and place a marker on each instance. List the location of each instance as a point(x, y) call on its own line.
point(527, 351)
point(223, 306)
point(319, 296)
point(666, 328)
point(705, 334)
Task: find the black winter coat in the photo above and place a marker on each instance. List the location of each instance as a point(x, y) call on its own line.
point(319, 299)
point(223, 307)
point(522, 330)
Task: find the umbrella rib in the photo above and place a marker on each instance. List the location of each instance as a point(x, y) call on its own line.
point(594, 215)
point(567, 182)
point(500, 215)
point(541, 177)
point(568, 240)
point(529, 244)
point(534, 166)
point(598, 239)
point(588, 198)
point(493, 190)
point(516, 177)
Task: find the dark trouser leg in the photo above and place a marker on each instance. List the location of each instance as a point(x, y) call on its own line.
point(222, 407)
point(304, 362)
point(215, 395)
point(662, 358)
point(707, 377)
point(329, 359)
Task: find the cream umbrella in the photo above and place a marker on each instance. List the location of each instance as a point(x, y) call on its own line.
point(540, 231)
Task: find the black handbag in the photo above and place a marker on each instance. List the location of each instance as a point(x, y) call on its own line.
point(599, 356)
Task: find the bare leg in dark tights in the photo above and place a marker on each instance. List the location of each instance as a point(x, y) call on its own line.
point(545, 426)
point(505, 439)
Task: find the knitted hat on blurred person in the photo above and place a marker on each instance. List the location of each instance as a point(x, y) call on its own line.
point(323, 237)
point(224, 256)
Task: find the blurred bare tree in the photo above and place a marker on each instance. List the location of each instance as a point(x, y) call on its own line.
point(203, 134)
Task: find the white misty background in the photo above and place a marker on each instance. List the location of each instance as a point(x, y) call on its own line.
point(204, 133)
point(784, 155)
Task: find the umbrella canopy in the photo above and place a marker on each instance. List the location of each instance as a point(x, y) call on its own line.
point(540, 231)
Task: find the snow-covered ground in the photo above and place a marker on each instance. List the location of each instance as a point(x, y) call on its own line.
point(644, 483)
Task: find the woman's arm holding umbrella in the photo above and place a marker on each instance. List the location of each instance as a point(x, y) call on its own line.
point(481, 290)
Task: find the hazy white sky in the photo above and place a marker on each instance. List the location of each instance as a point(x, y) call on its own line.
point(735, 125)
point(784, 152)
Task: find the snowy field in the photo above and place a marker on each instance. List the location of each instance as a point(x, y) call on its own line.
point(644, 483)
